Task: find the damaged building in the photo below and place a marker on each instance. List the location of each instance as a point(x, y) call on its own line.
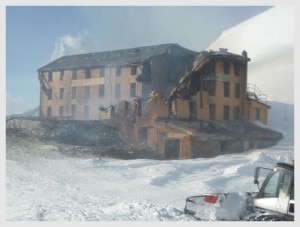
point(173, 101)
point(80, 86)
point(209, 112)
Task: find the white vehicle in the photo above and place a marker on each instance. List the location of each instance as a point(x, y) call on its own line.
point(274, 200)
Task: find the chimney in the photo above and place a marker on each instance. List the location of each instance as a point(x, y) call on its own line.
point(223, 50)
point(244, 54)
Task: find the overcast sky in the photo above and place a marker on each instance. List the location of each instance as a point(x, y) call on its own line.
point(37, 35)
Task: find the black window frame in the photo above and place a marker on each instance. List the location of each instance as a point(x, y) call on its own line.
point(61, 93)
point(226, 65)
point(226, 89)
point(226, 112)
point(237, 69)
point(237, 91)
point(102, 71)
point(212, 112)
point(133, 69)
point(87, 92)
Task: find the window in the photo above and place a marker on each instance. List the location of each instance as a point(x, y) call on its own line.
point(226, 67)
point(86, 112)
point(212, 112)
point(86, 92)
point(237, 90)
point(118, 91)
point(61, 111)
point(50, 76)
point(101, 90)
point(74, 74)
point(132, 89)
point(133, 69)
point(237, 69)
point(172, 148)
point(49, 94)
point(73, 110)
point(102, 71)
point(226, 113)
point(87, 73)
point(271, 187)
point(62, 74)
point(118, 71)
point(226, 89)
point(236, 113)
point(73, 92)
point(211, 88)
point(193, 110)
point(49, 111)
point(61, 93)
point(257, 114)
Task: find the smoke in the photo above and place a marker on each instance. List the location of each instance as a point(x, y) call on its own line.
point(67, 45)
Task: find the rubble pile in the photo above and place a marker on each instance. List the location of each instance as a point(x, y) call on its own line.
point(72, 138)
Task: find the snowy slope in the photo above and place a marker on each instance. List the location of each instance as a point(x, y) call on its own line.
point(269, 40)
point(42, 184)
point(45, 185)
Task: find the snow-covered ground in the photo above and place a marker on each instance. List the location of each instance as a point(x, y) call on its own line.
point(45, 185)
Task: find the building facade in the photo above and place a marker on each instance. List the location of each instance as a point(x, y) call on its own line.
point(78, 86)
point(209, 112)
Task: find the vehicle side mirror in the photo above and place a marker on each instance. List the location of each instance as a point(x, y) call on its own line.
point(256, 176)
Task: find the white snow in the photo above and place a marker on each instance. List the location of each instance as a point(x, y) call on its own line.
point(45, 185)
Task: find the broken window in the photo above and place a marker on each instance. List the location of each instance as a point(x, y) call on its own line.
point(143, 135)
point(86, 92)
point(74, 74)
point(73, 110)
point(212, 112)
point(133, 69)
point(236, 113)
point(61, 111)
point(50, 76)
point(226, 112)
point(237, 90)
point(237, 69)
point(226, 89)
point(193, 110)
point(49, 94)
point(102, 71)
point(49, 111)
point(226, 67)
point(132, 89)
point(118, 91)
point(86, 112)
point(73, 92)
point(118, 70)
point(172, 148)
point(101, 90)
point(61, 93)
point(62, 74)
point(257, 114)
point(211, 87)
point(87, 73)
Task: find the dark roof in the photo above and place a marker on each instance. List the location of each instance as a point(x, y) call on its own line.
point(116, 57)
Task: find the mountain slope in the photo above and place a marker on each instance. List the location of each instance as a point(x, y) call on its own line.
point(269, 40)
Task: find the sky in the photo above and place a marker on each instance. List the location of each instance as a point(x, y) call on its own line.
point(36, 35)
